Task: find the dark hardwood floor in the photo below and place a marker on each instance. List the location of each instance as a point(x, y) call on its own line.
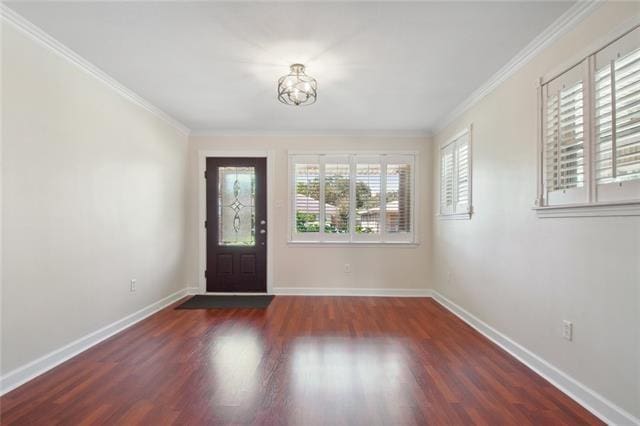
point(302, 361)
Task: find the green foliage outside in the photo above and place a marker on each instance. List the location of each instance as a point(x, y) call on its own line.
point(337, 194)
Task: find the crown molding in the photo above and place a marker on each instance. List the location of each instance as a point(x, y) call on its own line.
point(567, 21)
point(312, 133)
point(11, 17)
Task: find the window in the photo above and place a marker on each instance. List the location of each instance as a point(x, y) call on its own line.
point(357, 198)
point(590, 129)
point(455, 177)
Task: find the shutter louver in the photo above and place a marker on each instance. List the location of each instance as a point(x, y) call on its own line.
point(627, 116)
point(368, 202)
point(462, 178)
point(307, 197)
point(398, 198)
point(336, 198)
point(551, 143)
point(569, 157)
point(564, 137)
point(617, 104)
point(446, 180)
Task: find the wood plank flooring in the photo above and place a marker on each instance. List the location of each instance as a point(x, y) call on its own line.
point(302, 361)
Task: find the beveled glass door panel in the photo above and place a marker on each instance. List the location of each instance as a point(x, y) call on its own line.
point(236, 206)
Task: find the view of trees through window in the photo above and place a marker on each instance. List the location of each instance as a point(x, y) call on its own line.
point(367, 203)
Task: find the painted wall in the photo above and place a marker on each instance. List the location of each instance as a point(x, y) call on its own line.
point(309, 267)
point(94, 194)
point(524, 275)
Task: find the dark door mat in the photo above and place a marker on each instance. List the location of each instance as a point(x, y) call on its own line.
point(202, 301)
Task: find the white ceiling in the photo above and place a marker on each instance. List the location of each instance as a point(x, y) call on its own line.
point(380, 66)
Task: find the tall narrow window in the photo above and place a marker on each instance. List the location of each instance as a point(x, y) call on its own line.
point(455, 177)
point(352, 198)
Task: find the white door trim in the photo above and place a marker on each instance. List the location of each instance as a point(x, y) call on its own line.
point(202, 209)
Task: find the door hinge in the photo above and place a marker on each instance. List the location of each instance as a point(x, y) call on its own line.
point(205, 223)
point(205, 273)
point(205, 174)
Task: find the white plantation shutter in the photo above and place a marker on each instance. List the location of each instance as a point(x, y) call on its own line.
point(455, 176)
point(463, 164)
point(306, 197)
point(398, 196)
point(337, 184)
point(447, 166)
point(369, 209)
point(617, 120)
point(564, 137)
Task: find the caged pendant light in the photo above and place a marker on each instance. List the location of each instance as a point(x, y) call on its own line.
point(297, 88)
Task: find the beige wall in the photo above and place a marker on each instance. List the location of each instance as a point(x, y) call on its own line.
point(295, 266)
point(94, 194)
point(524, 275)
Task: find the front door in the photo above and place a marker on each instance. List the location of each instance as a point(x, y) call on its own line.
point(236, 224)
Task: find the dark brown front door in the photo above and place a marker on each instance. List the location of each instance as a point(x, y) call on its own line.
point(236, 224)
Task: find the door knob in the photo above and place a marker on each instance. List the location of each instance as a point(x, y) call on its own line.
point(262, 231)
point(262, 222)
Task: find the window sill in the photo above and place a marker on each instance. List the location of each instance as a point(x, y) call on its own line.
point(589, 210)
point(386, 244)
point(455, 216)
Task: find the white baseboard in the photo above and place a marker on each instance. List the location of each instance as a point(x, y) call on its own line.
point(604, 409)
point(29, 371)
point(339, 291)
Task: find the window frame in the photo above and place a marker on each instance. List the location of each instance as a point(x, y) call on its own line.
point(454, 213)
point(596, 199)
point(351, 238)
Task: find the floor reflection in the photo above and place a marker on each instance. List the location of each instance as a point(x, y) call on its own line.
point(236, 356)
point(348, 375)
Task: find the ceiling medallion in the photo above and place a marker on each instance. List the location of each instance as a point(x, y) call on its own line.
point(297, 88)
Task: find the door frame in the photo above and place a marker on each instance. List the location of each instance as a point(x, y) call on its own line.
point(202, 212)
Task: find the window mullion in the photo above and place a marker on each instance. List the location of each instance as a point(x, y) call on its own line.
point(589, 128)
point(557, 156)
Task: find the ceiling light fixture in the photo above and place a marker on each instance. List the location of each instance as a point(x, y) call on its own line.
point(297, 88)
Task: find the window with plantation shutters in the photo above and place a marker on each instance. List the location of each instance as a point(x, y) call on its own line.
point(590, 130)
point(455, 177)
point(352, 198)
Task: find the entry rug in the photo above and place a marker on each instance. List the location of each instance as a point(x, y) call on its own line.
point(202, 301)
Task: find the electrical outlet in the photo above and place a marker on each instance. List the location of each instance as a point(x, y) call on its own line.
point(347, 268)
point(133, 285)
point(567, 330)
